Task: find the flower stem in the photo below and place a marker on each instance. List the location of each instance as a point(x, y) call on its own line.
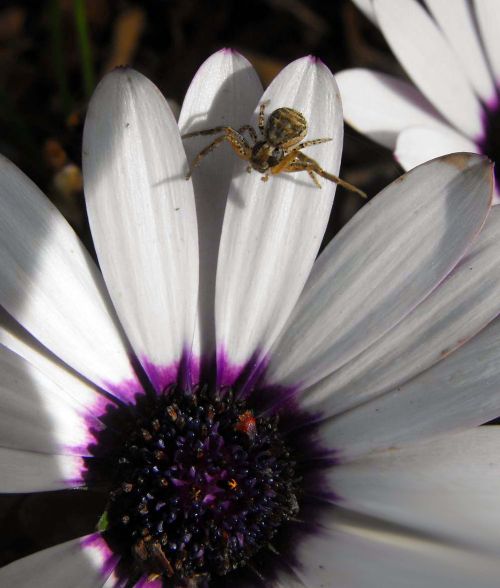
point(84, 45)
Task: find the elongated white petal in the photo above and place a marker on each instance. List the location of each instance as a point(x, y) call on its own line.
point(224, 91)
point(381, 106)
point(488, 18)
point(417, 145)
point(463, 304)
point(448, 486)
point(49, 283)
point(456, 20)
point(115, 581)
point(348, 556)
point(382, 264)
point(142, 215)
point(15, 338)
point(366, 6)
point(459, 392)
point(29, 471)
point(85, 562)
point(429, 60)
point(36, 415)
point(272, 231)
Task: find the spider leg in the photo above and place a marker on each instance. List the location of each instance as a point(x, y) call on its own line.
point(250, 130)
point(285, 163)
point(197, 160)
point(312, 142)
point(302, 162)
point(314, 178)
point(262, 126)
point(205, 132)
point(236, 141)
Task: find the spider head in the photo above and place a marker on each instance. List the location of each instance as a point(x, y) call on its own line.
point(260, 156)
point(276, 156)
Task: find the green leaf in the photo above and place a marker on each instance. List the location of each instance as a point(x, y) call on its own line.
point(103, 523)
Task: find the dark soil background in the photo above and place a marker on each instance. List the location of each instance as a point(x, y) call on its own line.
point(53, 52)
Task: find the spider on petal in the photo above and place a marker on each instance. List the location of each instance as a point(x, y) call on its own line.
point(279, 150)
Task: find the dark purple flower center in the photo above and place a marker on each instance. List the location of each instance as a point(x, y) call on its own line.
point(200, 483)
point(489, 143)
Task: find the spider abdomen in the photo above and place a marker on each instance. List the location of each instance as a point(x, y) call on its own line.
point(285, 127)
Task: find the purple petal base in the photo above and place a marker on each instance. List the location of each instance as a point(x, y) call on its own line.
point(243, 377)
point(125, 391)
point(101, 552)
point(488, 143)
point(313, 460)
point(298, 428)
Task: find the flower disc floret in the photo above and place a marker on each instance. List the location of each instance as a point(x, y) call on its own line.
point(199, 484)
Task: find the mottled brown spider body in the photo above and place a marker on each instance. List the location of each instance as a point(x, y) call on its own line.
point(279, 149)
point(285, 127)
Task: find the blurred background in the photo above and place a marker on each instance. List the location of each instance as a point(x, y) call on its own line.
point(53, 52)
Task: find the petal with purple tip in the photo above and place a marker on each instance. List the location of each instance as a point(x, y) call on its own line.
point(36, 415)
point(488, 19)
point(142, 215)
point(364, 554)
point(457, 21)
point(382, 264)
point(440, 486)
point(18, 340)
point(458, 309)
point(49, 283)
point(459, 392)
point(223, 92)
point(381, 106)
point(415, 39)
point(416, 145)
point(29, 471)
point(86, 562)
point(272, 230)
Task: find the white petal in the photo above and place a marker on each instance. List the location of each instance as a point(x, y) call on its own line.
point(15, 338)
point(382, 264)
point(463, 304)
point(425, 54)
point(459, 392)
point(417, 145)
point(85, 562)
point(49, 283)
point(115, 581)
point(28, 471)
point(456, 20)
point(272, 231)
point(142, 215)
point(366, 6)
point(381, 106)
point(36, 415)
point(448, 487)
point(348, 556)
point(224, 91)
point(488, 18)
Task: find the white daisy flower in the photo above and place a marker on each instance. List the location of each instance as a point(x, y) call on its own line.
point(451, 52)
point(252, 416)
